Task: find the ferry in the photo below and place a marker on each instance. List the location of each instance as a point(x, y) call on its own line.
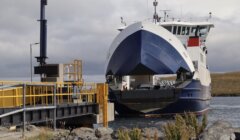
point(159, 67)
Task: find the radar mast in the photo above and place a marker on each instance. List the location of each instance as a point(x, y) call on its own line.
point(155, 15)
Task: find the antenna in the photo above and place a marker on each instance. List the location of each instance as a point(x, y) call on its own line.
point(155, 16)
point(165, 14)
point(210, 15)
point(123, 22)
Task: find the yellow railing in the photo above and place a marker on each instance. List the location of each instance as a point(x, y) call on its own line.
point(43, 93)
point(11, 93)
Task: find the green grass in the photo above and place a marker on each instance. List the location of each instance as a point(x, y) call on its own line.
point(43, 135)
point(134, 134)
point(185, 127)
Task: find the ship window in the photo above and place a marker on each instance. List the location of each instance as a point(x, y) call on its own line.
point(203, 31)
point(183, 30)
point(179, 30)
point(169, 28)
point(193, 29)
point(187, 30)
point(174, 29)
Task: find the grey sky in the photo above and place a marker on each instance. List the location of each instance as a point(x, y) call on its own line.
point(84, 29)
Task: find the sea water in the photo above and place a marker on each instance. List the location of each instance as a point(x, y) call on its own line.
point(221, 108)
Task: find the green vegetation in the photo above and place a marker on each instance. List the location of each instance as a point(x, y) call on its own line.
point(225, 84)
point(134, 134)
point(185, 127)
point(43, 135)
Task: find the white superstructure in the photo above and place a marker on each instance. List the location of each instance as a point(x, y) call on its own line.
point(193, 36)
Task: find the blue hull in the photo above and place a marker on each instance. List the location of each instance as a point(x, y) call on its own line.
point(144, 53)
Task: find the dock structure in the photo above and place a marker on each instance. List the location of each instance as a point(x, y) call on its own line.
point(61, 96)
point(71, 101)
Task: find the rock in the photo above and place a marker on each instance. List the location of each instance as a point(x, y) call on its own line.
point(114, 135)
point(103, 132)
point(75, 138)
point(107, 137)
point(220, 130)
point(121, 128)
point(4, 129)
point(13, 128)
point(32, 128)
point(84, 133)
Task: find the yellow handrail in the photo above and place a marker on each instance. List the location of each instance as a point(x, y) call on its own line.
point(38, 93)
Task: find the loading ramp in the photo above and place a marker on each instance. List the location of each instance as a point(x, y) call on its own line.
point(30, 103)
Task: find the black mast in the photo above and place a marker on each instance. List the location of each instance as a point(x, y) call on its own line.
point(43, 35)
point(155, 15)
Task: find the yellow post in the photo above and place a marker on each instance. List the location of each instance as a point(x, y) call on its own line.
point(105, 106)
point(46, 92)
point(34, 98)
point(102, 100)
point(30, 92)
point(17, 97)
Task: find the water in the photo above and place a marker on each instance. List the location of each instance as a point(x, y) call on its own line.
point(225, 108)
point(221, 108)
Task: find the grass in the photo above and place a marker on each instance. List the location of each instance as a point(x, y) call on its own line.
point(185, 127)
point(43, 135)
point(134, 134)
point(226, 84)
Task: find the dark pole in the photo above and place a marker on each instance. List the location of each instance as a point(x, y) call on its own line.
point(43, 34)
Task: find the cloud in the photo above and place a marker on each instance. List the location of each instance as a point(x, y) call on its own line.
point(85, 29)
point(223, 46)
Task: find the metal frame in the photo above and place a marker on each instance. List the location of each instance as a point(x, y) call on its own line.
point(52, 98)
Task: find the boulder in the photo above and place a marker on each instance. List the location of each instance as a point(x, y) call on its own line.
point(4, 129)
point(32, 128)
point(103, 132)
point(220, 130)
point(84, 133)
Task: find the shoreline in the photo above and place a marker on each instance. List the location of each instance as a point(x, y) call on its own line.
point(217, 130)
point(227, 95)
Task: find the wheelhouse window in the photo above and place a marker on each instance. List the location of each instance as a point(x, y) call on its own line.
point(203, 30)
point(183, 30)
point(174, 29)
point(179, 30)
point(187, 30)
point(169, 28)
point(193, 30)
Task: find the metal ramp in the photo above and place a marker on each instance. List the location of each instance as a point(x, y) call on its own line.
point(22, 103)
